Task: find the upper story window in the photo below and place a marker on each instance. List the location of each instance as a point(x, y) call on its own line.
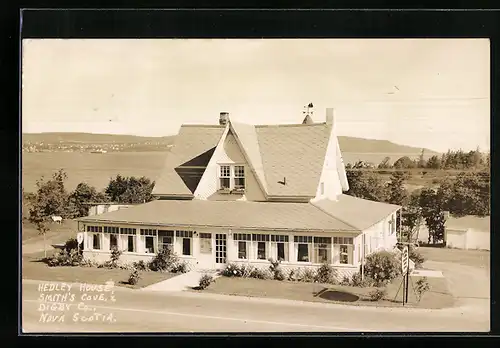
point(225, 177)
point(231, 177)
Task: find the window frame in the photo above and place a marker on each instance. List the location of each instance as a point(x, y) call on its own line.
point(280, 239)
point(322, 243)
point(235, 176)
point(308, 242)
point(344, 242)
point(222, 175)
point(232, 176)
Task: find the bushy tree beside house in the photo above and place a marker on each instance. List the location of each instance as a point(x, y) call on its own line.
point(130, 189)
point(84, 193)
point(367, 185)
point(396, 190)
point(469, 194)
point(431, 204)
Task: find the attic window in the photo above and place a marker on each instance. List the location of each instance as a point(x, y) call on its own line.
point(225, 177)
point(231, 177)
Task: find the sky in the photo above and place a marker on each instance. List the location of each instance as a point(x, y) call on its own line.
point(432, 93)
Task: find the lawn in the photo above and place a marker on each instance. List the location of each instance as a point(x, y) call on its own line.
point(58, 233)
point(35, 269)
point(437, 297)
point(474, 258)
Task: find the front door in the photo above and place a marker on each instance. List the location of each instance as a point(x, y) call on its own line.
point(220, 249)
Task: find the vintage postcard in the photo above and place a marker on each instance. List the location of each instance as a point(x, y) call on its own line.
point(255, 185)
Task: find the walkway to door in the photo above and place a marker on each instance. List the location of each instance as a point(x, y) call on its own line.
point(179, 283)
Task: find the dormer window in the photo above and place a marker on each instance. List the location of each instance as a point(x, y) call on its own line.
point(225, 178)
point(231, 177)
point(239, 177)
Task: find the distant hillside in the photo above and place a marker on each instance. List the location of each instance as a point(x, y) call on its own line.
point(361, 145)
point(91, 138)
point(347, 144)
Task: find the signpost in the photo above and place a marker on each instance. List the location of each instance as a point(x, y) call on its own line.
point(79, 239)
point(405, 271)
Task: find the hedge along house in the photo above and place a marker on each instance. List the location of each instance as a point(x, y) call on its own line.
point(235, 192)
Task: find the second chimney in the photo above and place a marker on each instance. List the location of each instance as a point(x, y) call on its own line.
point(329, 116)
point(223, 118)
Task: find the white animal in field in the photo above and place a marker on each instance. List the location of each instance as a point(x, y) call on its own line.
point(57, 219)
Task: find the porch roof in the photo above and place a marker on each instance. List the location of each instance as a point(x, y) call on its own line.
point(228, 214)
point(357, 212)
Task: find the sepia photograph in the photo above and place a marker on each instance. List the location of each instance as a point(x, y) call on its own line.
point(255, 185)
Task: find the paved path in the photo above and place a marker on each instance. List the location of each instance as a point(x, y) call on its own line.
point(181, 282)
point(140, 311)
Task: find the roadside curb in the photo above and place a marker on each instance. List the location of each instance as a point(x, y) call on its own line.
point(277, 301)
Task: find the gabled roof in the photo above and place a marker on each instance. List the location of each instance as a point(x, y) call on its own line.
point(247, 136)
point(227, 214)
point(294, 154)
point(276, 153)
point(357, 212)
point(192, 141)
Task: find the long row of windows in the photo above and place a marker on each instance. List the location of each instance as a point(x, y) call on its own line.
point(264, 246)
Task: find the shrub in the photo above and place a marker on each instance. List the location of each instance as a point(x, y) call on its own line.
point(140, 265)
point(71, 244)
point(65, 258)
point(308, 275)
point(345, 281)
point(114, 257)
point(231, 270)
point(377, 294)
point(292, 275)
point(326, 274)
point(258, 273)
point(205, 281)
point(164, 260)
point(416, 257)
point(134, 277)
point(382, 267)
point(179, 267)
point(275, 269)
point(422, 286)
point(358, 282)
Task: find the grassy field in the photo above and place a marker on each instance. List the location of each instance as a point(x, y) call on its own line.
point(33, 268)
point(437, 297)
point(97, 169)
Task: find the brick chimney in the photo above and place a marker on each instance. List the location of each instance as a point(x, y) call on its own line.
point(330, 119)
point(223, 118)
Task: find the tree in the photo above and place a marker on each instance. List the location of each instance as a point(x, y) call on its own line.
point(434, 162)
point(116, 187)
point(421, 160)
point(51, 196)
point(397, 193)
point(366, 184)
point(385, 163)
point(130, 189)
point(404, 162)
point(38, 218)
point(82, 195)
point(468, 195)
point(431, 206)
